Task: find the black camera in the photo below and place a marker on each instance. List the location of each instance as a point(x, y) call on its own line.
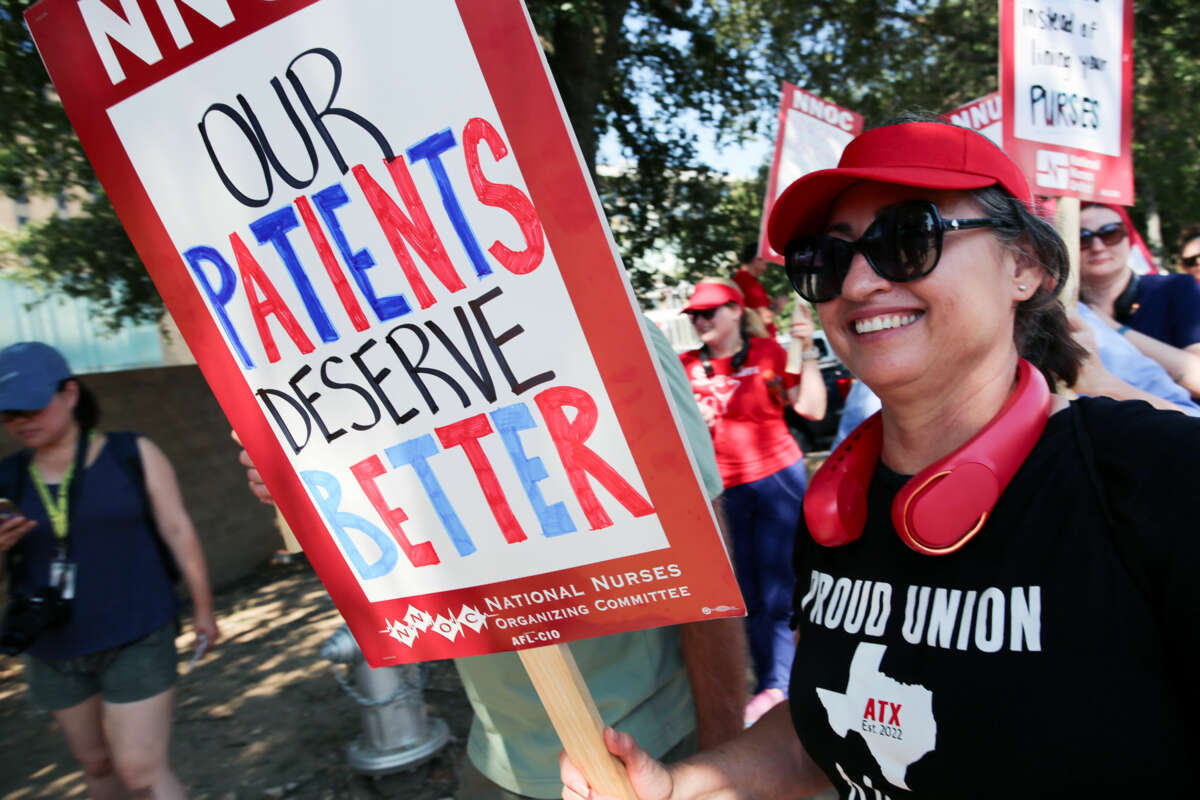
point(28, 615)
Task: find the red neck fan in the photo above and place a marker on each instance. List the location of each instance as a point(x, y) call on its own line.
point(944, 505)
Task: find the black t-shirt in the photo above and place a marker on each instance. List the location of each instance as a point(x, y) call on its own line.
point(1049, 657)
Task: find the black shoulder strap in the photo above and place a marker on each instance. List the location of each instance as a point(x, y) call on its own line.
point(1126, 303)
point(125, 450)
point(1133, 566)
point(129, 458)
point(75, 490)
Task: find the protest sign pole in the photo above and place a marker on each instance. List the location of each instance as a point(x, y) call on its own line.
point(576, 720)
point(1066, 222)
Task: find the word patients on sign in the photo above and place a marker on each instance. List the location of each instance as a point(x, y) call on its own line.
point(1066, 79)
point(811, 136)
point(346, 207)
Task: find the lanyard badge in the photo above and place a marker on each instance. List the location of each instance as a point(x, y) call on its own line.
point(56, 506)
point(62, 577)
point(62, 570)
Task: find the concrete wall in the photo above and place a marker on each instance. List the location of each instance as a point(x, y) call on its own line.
point(174, 407)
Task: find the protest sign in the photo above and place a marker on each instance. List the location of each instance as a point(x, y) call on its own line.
point(985, 116)
point(1066, 78)
point(982, 116)
point(812, 134)
point(372, 224)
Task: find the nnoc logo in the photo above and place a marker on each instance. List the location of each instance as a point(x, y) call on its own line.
point(1053, 169)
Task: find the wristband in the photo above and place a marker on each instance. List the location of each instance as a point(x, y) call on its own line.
point(811, 354)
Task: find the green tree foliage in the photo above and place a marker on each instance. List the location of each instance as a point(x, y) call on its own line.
point(882, 58)
point(649, 75)
point(39, 153)
point(87, 254)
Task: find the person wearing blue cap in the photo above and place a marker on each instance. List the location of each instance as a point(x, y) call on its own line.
point(93, 533)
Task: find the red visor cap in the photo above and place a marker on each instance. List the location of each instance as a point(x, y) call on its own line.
point(712, 295)
point(933, 155)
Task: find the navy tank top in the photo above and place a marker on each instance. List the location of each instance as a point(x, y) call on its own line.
point(122, 589)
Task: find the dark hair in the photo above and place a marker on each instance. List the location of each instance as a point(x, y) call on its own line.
point(1041, 330)
point(1189, 233)
point(87, 409)
point(749, 252)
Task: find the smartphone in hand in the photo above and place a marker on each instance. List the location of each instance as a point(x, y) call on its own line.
point(8, 509)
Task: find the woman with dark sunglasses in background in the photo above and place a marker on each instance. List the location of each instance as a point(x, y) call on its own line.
point(981, 556)
point(1165, 306)
point(739, 379)
point(1159, 314)
point(1189, 251)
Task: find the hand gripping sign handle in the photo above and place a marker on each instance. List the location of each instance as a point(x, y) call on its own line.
point(573, 713)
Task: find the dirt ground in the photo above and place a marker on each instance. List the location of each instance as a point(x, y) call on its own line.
point(262, 716)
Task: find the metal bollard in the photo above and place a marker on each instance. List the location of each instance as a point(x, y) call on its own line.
point(397, 734)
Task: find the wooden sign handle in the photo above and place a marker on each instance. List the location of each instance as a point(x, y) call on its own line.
point(1066, 221)
point(573, 713)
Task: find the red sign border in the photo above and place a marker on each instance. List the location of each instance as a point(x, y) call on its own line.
point(510, 57)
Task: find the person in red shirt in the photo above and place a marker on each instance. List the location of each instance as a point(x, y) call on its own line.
point(739, 379)
point(756, 297)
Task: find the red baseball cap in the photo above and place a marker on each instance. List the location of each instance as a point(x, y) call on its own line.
point(711, 294)
point(934, 155)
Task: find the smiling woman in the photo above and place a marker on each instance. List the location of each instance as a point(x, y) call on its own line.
point(1165, 307)
point(979, 537)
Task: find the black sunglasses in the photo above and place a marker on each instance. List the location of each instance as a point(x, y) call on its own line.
point(904, 243)
point(1109, 234)
point(704, 313)
point(1190, 262)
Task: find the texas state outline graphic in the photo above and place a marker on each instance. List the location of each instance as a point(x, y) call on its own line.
point(894, 719)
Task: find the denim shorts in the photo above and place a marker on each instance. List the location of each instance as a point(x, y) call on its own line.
point(124, 674)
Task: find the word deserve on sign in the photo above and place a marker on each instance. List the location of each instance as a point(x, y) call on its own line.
point(1066, 79)
point(374, 230)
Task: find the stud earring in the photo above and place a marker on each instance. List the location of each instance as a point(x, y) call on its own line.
point(1022, 287)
